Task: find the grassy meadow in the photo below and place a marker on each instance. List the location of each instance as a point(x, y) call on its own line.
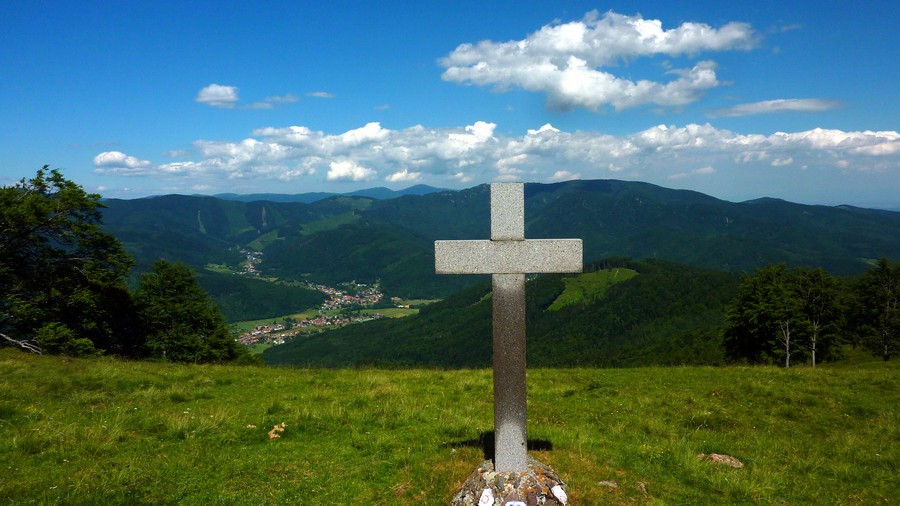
point(103, 431)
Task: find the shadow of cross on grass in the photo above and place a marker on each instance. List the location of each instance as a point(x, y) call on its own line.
point(485, 441)
point(507, 257)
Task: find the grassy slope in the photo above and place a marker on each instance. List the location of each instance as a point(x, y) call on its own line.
point(589, 286)
point(103, 431)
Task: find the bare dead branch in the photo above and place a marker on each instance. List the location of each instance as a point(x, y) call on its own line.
point(25, 345)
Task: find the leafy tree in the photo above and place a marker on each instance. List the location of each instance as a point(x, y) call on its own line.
point(56, 338)
point(820, 306)
point(776, 310)
point(61, 276)
point(874, 313)
point(763, 320)
point(182, 322)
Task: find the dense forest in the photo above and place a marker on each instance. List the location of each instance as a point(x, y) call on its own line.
point(664, 314)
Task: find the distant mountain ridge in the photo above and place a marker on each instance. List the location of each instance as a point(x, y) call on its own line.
point(343, 238)
point(378, 193)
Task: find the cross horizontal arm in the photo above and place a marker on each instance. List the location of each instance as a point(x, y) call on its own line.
point(508, 257)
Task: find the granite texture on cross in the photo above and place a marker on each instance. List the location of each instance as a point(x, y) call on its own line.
point(508, 256)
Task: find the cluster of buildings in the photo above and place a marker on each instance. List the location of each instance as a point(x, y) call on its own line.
point(251, 263)
point(278, 333)
point(270, 334)
point(364, 296)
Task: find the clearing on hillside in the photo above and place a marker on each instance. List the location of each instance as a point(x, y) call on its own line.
point(590, 286)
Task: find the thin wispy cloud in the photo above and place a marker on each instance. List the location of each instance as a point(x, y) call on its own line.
point(227, 97)
point(573, 63)
point(282, 99)
point(320, 94)
point(702, 171)
point(776, 106)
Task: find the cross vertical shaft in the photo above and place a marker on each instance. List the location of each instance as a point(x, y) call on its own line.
point(510, 391)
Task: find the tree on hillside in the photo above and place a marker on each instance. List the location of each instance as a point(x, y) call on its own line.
point(762, 322)
point(182, 322)
point(820, 306)
point(875, 313)
point(61, 276)
point(780, 313)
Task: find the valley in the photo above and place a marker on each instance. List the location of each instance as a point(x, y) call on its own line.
point(687, 249)
point(346, 304)
point(350, 304)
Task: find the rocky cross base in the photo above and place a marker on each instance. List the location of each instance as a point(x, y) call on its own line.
point(540, 485)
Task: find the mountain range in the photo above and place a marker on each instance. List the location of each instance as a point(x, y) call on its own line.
point(378, 193)
point(342, 238)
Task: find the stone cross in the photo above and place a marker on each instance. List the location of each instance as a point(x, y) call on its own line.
point(508, 256)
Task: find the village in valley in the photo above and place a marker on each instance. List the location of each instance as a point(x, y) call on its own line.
point(351, 303)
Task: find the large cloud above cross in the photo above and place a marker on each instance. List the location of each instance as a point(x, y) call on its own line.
point(571, 63)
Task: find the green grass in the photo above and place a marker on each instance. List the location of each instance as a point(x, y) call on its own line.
point(417, 302)
point(260, 243)
point(395, 312)
point(103, 431)
point(248, 325)
point(220, 268)
point(589, 286)
point(258, 348)
point(330, 223)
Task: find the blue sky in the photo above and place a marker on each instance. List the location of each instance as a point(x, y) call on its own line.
point(795, 100)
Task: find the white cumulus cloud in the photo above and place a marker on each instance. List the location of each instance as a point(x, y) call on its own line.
point(403, 176)
point(370, 133)
point(347, 170)
point(218, 95)
point(565, 61)
point(118, 163)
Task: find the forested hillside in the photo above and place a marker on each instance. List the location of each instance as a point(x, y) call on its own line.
point(345, 238)
point(665, 314)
